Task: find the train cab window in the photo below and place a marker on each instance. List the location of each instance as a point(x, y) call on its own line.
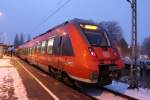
point(56, 45)
point(67, 49)
point(95, 36)
point(50, 45)
point(97, 39)
point(43, 47)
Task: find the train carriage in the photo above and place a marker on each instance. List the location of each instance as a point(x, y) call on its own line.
point(77, 49)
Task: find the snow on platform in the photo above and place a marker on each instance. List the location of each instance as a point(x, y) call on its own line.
point(101, 94)
point(11, 86)
point(5, 62)
point(119, 87)
point(142, 94)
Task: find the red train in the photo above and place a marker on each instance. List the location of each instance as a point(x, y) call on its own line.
point(79, 50)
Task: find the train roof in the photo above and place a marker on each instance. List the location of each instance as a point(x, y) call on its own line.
point(73, 21)
point(76, 20)
point(51, 29)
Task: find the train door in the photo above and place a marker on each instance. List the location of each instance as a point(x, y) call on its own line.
point(66, 58)
point(36, 53)
point(42, 58)
point(56, 51)
point(32, 55)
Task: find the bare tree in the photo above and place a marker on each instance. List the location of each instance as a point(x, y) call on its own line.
point(145, 48)
point(116, 36)
point(114, 30)
point(29, 37)
point(1, 38)
point(16, 40)
point(21, 39)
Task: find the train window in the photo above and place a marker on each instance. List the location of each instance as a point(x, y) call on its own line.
point(33, 49)
point(30, 51)
point(38, 47)
point(67, 49)
point(50, 45)
point(24, 51)
point(27, 51)
point(56, 45)
point(97, 38)
point(43, 46)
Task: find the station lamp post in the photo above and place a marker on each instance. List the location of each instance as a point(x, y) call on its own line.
point(134, 55)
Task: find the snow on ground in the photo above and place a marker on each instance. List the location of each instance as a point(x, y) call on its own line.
point(118, 87)
point(101, 94)
point(142, 94)
point(11, 86)
point(5, 62)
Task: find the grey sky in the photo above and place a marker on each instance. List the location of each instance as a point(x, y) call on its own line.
point(24, 16)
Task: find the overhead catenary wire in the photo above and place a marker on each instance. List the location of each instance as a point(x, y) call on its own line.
point(53, 13)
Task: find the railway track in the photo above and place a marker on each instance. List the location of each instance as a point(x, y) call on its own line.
point(104, 90)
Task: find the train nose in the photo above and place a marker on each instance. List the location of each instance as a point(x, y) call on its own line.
point(104, 53)
point(107, 73)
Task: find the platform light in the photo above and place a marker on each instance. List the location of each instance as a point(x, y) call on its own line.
point(64, 33)
point(89, 27)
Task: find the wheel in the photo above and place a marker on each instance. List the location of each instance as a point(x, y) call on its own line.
point(67, 79)
point(50, 71)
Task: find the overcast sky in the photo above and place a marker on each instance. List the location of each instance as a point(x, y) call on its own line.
point(24, 16)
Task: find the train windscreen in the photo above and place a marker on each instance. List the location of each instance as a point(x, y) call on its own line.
point(97, 39)
point(95, 36)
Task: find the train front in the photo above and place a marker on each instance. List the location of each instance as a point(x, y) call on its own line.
point(109, 62)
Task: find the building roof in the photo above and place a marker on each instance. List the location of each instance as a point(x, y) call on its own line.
point(5, 45)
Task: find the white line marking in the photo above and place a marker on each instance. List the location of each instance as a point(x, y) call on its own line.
point(46, 89)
